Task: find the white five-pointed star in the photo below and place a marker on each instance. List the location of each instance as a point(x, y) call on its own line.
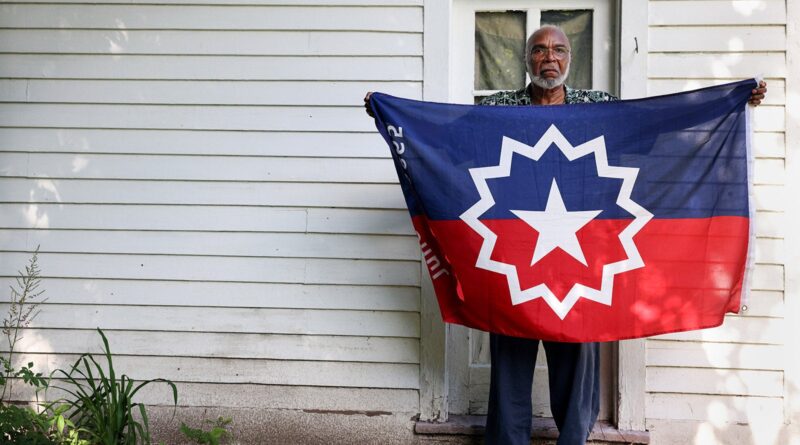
point(557, 227)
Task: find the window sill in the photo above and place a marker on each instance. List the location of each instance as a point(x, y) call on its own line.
point(543, 428)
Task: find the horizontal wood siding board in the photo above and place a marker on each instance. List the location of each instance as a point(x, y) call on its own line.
point(223, 269)
point(228, 320)
point(245, 371)
point(753, 330)
point(238, 43)
point(715, 355)
point(194, 143)
point(211, 17)
point(655, 87)
point(715, 12)
point(363, 196)
point(715, 381)
point(206, 168)
point(220, 395)
point(216, 219)
point(245, 295)
point(733, 66)
point(183, 117)
point(765, 304)
point(256, 346)
point(188, 67)
point(771, 224)
point(716, 39)
point(725, 409)
point(216, 92)
point(246, 244)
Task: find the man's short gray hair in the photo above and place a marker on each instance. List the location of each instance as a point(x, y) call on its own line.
point(543, 27)
point(535, 78)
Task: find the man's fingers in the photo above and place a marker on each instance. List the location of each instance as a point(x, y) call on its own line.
point(366, 104)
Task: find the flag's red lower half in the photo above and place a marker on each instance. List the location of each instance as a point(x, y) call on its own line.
point(693, 274)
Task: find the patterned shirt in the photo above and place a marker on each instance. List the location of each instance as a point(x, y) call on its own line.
point(521, 97)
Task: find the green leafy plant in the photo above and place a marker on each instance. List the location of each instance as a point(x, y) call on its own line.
point(23, 308)
point(216, 435)
point(101, 405)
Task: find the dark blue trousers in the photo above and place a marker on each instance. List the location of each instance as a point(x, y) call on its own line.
point(574, 375)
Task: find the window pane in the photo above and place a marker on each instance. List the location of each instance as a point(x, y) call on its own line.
point(499, 50)
point(578, 26)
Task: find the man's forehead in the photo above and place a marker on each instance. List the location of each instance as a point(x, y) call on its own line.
point(548, 37)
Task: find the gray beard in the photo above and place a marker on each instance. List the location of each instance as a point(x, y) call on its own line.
point(549, 84)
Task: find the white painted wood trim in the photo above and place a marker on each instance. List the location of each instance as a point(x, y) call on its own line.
point(436, 50)
point(632, 75)
point(792, 240)
point(433, 376)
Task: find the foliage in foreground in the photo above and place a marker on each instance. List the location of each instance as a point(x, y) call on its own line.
point(218, 434)
point(101, 405)
point(23, 308)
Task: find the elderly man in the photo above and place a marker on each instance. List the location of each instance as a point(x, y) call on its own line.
point(573, 367)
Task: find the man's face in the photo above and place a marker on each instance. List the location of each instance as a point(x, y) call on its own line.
point(548, 58)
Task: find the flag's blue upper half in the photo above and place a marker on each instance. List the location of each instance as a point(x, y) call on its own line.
point(686, 152)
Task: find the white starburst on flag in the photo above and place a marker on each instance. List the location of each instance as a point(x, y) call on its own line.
point(554, 137)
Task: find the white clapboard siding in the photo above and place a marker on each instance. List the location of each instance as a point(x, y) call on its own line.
point(241, 43)
point(765, 303)
point(213, 92)
point(776, 87)
point(769, 251)
point(715, 12)
point(260, 372)
point(247, 295)
point(225, 345)
point(769, 145)
point(770, 224)
point(759, 330)
point(228, 320)
point(213, 17)
point(371, 196)
point(224, 219)
point(718, 408)
point(733, 66)
point(206, 168)
point(715, 381)
point(718, 38)
point(717, 356)
point(204, 184)
point(205, 268)
point(183, 117)
point(247, 244)
point(288, 68)
point(187, 142)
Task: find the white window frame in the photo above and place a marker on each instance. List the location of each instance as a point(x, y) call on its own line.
point(462, 87)
point(442, 389)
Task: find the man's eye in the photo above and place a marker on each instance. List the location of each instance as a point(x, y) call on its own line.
point(560, 51)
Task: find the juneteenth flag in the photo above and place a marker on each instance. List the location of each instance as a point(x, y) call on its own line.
point(586, 222)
